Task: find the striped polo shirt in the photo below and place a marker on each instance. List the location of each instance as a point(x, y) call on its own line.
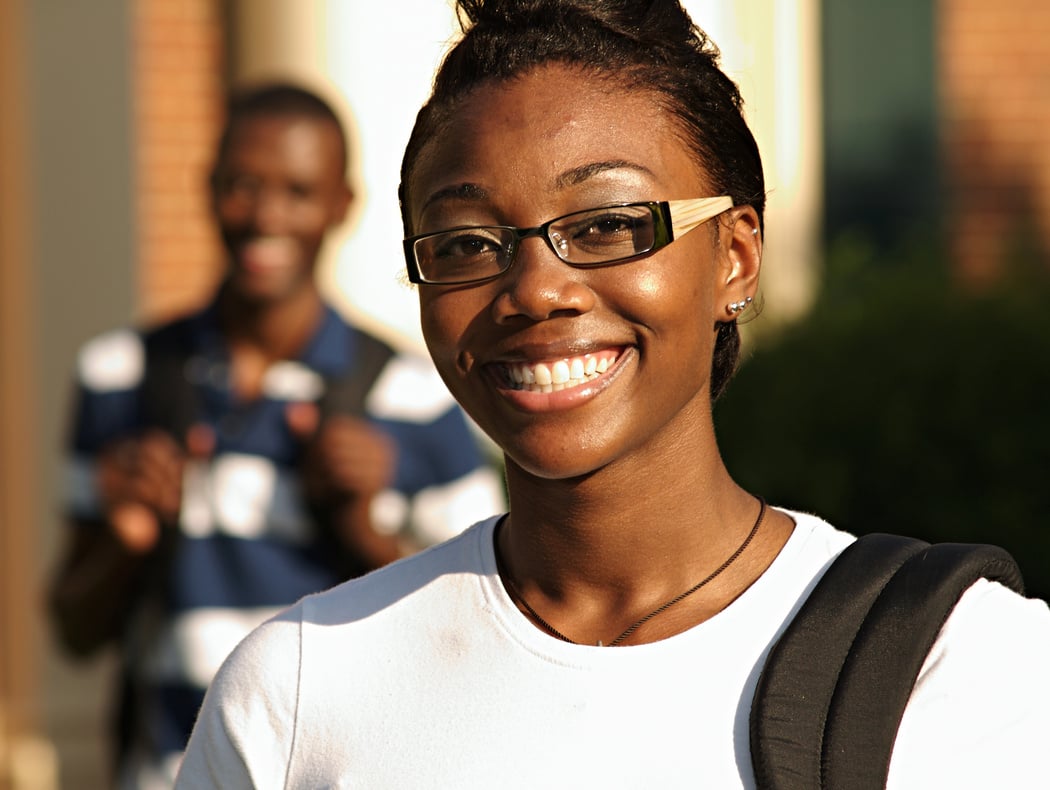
point(246, 545)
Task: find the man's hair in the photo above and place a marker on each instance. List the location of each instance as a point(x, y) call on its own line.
point(279, 99)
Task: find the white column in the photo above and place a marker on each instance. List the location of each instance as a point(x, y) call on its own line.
point(382, 57)
point(277, 38)
point(771, 48)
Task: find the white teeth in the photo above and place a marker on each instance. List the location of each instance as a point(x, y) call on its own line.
point(560, 372)
point(559, 375)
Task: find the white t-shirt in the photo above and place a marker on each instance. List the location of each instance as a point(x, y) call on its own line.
point(425, 675)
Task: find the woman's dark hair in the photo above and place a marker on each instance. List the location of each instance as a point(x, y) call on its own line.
point(647, 44)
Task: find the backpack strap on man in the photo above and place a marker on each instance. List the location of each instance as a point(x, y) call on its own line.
point(168, 398)
point(833, 690)
point(347, 394)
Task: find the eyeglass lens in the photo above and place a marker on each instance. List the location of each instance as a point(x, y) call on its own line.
point(592, 237)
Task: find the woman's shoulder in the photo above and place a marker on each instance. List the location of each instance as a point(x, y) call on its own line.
point(249, 711)
point(427, 574)
point(979, 713)
point(992, 622)
point(255, 697)
point(775, 597)
point(812, 547)
point(278, 640)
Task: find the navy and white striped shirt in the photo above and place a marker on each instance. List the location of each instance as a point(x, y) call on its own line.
point(247, 546)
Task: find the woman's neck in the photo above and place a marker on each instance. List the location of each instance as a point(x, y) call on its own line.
point(620, 525)
point(592, 555)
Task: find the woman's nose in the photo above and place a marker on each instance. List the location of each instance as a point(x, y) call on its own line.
point(539, 285)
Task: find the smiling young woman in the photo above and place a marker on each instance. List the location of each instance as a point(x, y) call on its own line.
point(583, 207)
point(630, 450)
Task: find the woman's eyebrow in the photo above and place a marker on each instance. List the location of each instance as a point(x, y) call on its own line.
point(580, 174)
point(465, 191)
point(470, 191)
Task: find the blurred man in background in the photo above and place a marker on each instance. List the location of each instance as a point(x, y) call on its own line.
point(225, 464)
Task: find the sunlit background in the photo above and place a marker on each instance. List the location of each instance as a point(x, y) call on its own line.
point(897, 376)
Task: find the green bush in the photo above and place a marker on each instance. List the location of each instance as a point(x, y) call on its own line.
point(903, 404)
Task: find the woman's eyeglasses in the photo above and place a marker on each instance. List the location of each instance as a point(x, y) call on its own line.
point(597, 236)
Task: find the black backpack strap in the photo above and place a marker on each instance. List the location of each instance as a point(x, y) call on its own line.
point(795, 688)
point(890, 649)
point(834, 687)
point(347, 394)
point(168, 398)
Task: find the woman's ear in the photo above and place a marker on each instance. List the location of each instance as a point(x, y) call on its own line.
point(740, 245)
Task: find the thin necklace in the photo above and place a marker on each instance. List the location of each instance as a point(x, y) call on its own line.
point(513, 590)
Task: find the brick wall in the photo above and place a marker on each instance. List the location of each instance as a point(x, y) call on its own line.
point(177, 80)
point(994, 63)
point(178, 66)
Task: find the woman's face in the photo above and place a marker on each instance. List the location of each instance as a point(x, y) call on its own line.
point(552, 142)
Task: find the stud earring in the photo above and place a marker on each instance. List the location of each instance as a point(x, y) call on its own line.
point(739, 307)
point(754, 231)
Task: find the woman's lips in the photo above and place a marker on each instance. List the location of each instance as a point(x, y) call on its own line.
point(556, 375)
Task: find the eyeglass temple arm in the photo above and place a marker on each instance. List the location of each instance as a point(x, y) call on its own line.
point(688, 214)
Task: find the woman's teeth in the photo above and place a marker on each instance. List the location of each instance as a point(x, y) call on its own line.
point(560, 375)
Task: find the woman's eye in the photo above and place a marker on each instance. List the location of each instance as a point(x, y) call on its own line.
point(609, 225)
point(466, 245)
point(605, 228)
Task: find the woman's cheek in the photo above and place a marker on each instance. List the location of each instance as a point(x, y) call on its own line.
point(444, 322)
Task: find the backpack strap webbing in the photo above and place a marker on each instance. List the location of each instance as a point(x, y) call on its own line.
point(169, 400)
point(347, 394)
point(833, 690)
point(167, 397)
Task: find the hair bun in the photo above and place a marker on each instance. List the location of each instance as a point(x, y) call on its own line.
point(655, 19)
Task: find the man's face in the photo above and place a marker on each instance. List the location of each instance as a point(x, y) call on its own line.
point(278, 188)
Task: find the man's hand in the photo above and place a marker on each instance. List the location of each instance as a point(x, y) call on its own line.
point(140, 483)
point(345, 457)
point(346, 461)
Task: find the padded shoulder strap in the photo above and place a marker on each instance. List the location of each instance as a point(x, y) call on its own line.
point(817, 719)
point(890, 649)
point(347, 394)
point(795, 688)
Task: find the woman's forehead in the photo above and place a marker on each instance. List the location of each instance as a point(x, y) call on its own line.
point(551, 128)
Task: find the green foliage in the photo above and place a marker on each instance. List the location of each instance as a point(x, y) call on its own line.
point(903, 404)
